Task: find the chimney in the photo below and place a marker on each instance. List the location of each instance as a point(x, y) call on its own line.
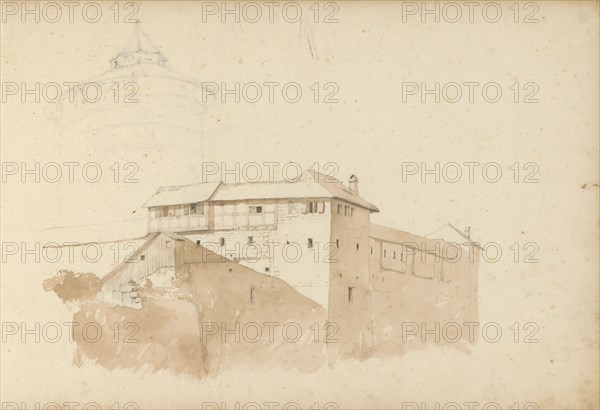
point(353, 184)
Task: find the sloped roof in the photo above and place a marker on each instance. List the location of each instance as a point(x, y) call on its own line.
point(450, 233)
point(337, 189)
point(388, 234)
point(424, 243)
point(182, 194)
point(311, 184)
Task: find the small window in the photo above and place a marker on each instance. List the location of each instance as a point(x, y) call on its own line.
point(346, 210)
point(340, 209)
point(350, 294)
point(310, 242)
point(192, 208)
point(313, 207)
point(198, 242)
point(255, 209)
point(394, 254)
point(142, 257)
point(250, 239)
point(357, 247)
point(337, 243)
point(267, 269)
point(172, 211)
point(351, 211)
point(252, 295)
point(186, 209)
point(384, 253)
point(371, 250)
point(164, 211)
point(222, 241)
point(292, 208)
point(199, 209)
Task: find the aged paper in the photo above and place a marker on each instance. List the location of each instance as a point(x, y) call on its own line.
point(284, 205)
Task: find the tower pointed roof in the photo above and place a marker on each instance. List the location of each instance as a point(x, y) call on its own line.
point(138, 50)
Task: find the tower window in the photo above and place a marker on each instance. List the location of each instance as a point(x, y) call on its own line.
point(357, 247)
point(350, 294)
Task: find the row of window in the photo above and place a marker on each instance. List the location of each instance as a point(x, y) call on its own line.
point(167, 211)
point(345, 210)
point(310, 207)
point(310, 243)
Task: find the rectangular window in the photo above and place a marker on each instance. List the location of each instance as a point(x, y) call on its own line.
point(313, 207)
point(252, 295)
point(192, 209)
point(255, 209)
point(340, 209)
point(250, 239)
point(186, 209)
point(350, 294)
point(198, 242)
point(172, 211)
point(292, 208)
point(164, 211)
point(142, 257)
point(310, 242)
point(351, 211)
point(346, 210)
point(384, 253)
point(394, 254)
point(222, 241)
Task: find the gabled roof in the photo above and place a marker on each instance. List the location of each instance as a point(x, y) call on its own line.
point(450, 233)
point(311, 184)
point(427, 243)
point(388, 234)
point(182, 194)
point(336, 189)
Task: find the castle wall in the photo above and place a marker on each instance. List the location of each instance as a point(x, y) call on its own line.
point(421, 289)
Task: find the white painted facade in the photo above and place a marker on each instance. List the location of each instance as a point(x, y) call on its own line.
point(282, 229)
